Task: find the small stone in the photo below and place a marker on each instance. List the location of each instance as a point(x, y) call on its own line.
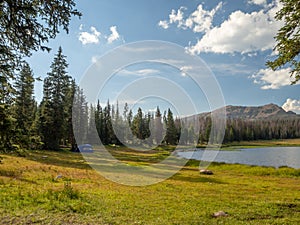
point(207, 172)
point(220, 214)
point(58, 177)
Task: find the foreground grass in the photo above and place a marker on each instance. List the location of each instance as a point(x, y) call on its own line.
point(60, 188)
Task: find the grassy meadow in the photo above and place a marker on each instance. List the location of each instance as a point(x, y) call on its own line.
point(59, 187)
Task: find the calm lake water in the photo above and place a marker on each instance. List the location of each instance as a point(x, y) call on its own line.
point(271, 156)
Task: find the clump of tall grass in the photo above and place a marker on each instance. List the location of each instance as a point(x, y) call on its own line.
point(67, 193)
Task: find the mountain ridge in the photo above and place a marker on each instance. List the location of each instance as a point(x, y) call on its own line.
point(268, 111)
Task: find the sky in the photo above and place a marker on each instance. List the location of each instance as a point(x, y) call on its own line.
point(233, 39)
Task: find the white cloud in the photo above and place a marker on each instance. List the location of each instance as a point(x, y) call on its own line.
point(164, 24)
point(292, 105)
point(177, 17)
point(241, 32)
point(114, 35)
point(184, 70)
point(258, 2)
point(270, 79)
point(199, 21)
point(89, 38)
point(141, 72)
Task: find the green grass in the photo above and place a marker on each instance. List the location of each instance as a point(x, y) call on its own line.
point(30, 192)
point(264, 143)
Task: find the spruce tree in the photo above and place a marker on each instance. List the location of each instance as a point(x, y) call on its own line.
point(158, 126)
point(138, 125)
point(56, 89)
point(171, 133)
point(80, 117)
point(25, 106)
point(6, 118)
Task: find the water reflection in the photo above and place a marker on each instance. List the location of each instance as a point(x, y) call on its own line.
point(272, 156)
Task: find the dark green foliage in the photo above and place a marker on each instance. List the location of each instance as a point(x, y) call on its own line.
point(114, 128)
point(139, 125)
point(6, 118)
point(56, 103)
point(171, 137)
point(26, 25)
point(79, 117)
point(25, 107)
point(250, 130)
point(288, 39)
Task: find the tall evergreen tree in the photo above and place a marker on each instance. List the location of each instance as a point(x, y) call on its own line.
point(80, 117)
point(171, 133)
point(68, 131)
point(25, 106)
point(56, 88)
point(158, 127)
point(138, 125)
point(6, 118)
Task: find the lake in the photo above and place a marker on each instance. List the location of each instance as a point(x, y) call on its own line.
point(270, 156)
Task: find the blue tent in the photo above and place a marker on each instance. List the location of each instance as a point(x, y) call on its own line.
point(85, 148)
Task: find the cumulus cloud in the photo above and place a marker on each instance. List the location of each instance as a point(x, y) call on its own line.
point(199, 21)
point(258, 2)
point(292, 105)
point(270, 79)
point(242, 33)
point(92, 37)
point(177, 17)
point(114, 35)
point(164, 24)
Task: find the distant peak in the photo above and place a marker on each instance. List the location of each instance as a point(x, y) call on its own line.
point(256, 112)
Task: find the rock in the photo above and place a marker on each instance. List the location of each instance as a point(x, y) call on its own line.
point(220, 214)
point(58, 177)
point(207, 172)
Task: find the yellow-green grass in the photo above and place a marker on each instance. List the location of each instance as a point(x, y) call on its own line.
point(30, 192)
point(266, 143)
point(258, 143)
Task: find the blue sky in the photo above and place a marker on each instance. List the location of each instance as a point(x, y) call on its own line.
point(234, 38)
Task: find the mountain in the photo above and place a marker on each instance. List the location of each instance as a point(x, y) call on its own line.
point(259, 112)
point(254, 112)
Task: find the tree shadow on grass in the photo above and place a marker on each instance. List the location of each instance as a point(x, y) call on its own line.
point(197, 179)
point(60, 158)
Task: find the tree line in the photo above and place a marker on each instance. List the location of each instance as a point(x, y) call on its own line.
point(249, 130)
point(121, 128)
point(156, 128)
point(49, 124)
point(24, 123)
point(27, 26)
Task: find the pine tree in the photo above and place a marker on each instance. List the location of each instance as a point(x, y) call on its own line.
point(80, 117)
point(56, 88)
point(158, 127)
point(25, 106)
point(68, 131)
point(6, 118)
point(138, 124)
point(171, 133)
